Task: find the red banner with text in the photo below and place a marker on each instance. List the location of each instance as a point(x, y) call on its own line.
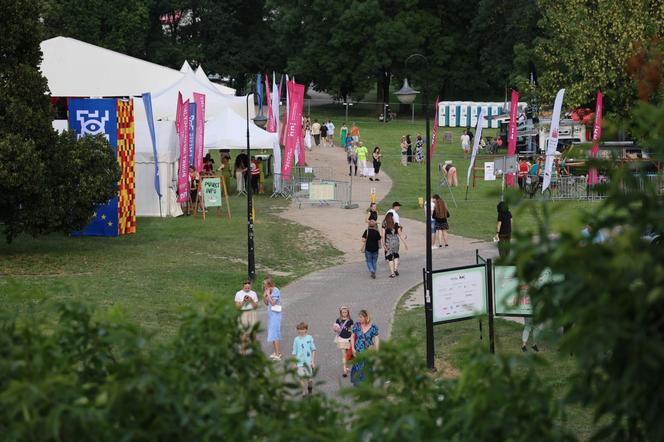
point(183, 169)
point(593, 177)
point(294, 127)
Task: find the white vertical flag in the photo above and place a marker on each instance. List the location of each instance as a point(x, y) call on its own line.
point(476, 144)
point(274, 104)
point(553, 139)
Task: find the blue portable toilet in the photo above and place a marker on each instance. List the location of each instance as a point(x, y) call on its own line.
point(474, 110)
point(463, 115)
point(454, 114)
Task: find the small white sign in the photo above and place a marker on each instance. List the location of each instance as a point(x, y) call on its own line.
point(489, 174)
point(304, 186)
point(308, 170)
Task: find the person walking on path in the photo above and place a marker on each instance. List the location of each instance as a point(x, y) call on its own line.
point(351, 158)
point(503, 229)
point(343, 134)
point(365, 337)
point(440, 215)
point(323, 135)
point(376, 163)
point(409, 148)
point(371, 242)
point(404, 151)
point(272, 299)
point(315, 131)
point(247, 301)
point(392, 236)
point(304, 350)
point(527, 330)
point(465, 144)
point(373, 213)
point(355, 132)
point(330, 132)
point(362, 152)
point(343, 327)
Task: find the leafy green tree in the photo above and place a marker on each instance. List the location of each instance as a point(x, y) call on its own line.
point(48, 182)
point(112, 24)
point(609, 297)
point(576, 54)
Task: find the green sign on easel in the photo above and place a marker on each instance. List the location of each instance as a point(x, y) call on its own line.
point(212, 192)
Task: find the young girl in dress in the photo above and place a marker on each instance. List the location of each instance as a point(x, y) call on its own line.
point(343, 329)
point(272, 299)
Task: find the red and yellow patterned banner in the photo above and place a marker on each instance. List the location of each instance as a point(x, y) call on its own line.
point(127, 184)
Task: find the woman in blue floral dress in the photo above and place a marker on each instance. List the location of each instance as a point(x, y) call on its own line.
point(365, 337)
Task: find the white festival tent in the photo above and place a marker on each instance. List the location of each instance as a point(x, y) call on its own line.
point(77, 69)
point(229, 131)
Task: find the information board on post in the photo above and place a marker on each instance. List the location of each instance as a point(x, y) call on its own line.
point(321, 191)
point(508, 300)
point(212, 192)
point(488, 171)
point(459, 293)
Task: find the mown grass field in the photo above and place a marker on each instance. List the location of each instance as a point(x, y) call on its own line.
point(475, 216)
point(154, 272)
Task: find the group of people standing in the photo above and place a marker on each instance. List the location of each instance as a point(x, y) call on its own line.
point(350, 337)
point(321, 133)
point(406, 146)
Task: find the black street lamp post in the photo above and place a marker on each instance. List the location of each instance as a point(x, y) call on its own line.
point(406, 96)
point(260, 121)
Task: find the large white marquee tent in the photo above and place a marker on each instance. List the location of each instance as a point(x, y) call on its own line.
point(77, 69)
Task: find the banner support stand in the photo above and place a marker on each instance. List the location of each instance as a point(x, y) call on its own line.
point(428, 316)
point(489, 280)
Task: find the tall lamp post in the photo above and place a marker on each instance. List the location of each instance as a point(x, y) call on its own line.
point(407, 96)
point(260, 121)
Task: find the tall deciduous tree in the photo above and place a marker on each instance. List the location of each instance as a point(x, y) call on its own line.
point(39, 170)
point(587, 44)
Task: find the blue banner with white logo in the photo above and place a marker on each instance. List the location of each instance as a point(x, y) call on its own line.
point(97, 117)
point(192, 133)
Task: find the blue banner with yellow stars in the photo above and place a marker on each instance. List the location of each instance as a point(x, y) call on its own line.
point(97, 117)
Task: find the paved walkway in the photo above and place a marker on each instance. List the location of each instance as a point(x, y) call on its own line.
point(316, 297)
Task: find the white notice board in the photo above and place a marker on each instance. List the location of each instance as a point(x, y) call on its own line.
point(321, 191)
point(489, 174)
point(459, 293)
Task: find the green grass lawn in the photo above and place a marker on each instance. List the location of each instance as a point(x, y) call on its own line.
point(451, 339)
point(152, 273)
point(475, 216)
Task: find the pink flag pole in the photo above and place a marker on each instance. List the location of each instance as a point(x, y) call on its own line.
point(511, 135)
point(593, 177)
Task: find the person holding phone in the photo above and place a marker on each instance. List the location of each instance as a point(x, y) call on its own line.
point(247, 301)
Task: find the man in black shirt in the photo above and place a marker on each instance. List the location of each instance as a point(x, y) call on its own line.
point(371, 243)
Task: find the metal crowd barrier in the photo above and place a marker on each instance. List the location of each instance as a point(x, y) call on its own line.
point(308, 189)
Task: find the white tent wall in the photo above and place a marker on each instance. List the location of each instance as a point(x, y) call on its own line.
point(147, 200)
point(229, 131)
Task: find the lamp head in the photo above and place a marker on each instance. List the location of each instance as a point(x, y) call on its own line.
point(406, 94)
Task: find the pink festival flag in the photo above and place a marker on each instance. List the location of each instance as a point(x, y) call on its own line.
point(183, 170)
point(511, 135)
point(286, 114)
point(178, 114)
point(294, 126)
point(597, 134)
point(434, 136)
point(199, 99)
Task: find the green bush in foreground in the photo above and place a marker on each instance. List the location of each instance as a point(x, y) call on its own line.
point(96, 377)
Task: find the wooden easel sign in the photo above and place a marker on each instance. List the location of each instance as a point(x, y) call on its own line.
point(210, 195)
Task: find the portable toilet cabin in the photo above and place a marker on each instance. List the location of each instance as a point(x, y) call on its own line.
point(464, 115)
point(443, 112)
point(485, 111)
point(474, 110)
point(454, 113)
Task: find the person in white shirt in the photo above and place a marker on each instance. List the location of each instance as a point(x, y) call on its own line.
point(330, 132)
point(396, 206)
point(247, 301)
point(465, 144)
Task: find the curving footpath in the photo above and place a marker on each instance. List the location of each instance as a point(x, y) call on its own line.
point(316, 297)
